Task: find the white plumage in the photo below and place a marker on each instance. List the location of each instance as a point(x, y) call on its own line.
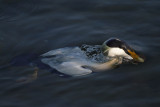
point(112, 52)
point(68, 61)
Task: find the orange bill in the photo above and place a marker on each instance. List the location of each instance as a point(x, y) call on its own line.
point(135, 56)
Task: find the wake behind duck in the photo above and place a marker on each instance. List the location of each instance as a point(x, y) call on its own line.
point(78, 61)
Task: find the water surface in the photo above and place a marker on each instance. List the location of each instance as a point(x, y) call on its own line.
point(35, 27)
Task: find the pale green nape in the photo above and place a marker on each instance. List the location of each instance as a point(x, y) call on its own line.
point(105, 49)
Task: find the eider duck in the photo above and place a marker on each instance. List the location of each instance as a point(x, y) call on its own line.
point(78, 61)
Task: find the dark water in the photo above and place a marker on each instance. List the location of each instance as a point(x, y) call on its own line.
point(37, 26)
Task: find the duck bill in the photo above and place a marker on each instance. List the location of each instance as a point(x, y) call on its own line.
point(135, 56)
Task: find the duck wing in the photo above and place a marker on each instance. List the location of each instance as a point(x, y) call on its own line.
point(71, 68)
point(68, 60)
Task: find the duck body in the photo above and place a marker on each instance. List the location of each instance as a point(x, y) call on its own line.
point(74, 61)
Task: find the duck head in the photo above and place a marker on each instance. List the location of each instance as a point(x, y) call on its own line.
point(115, 47)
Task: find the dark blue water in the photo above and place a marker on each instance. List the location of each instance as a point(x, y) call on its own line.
point(37, 26)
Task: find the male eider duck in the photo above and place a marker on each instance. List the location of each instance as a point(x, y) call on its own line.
point(78, 61)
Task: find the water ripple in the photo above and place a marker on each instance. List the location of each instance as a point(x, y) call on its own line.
point(11, 10)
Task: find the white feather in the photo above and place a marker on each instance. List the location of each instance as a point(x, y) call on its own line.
point(68, 61)
point(112, 52)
